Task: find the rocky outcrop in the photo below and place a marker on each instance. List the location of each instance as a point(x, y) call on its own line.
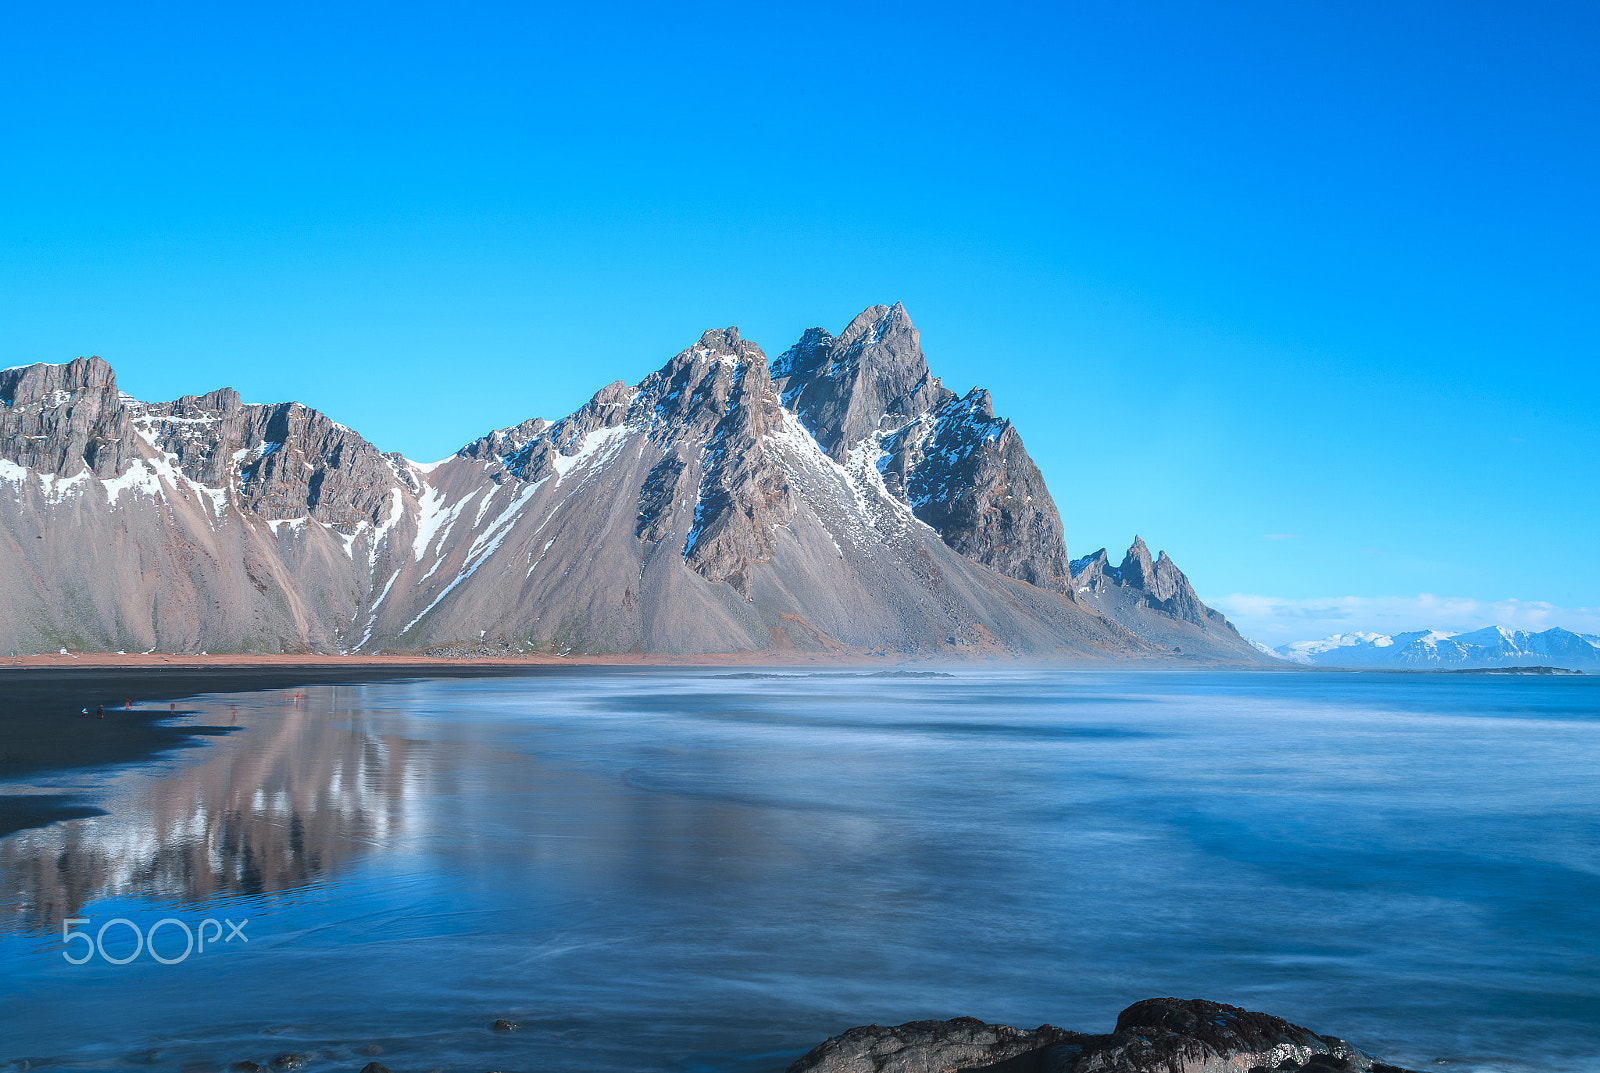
point(840, 500)
point(286, 461)
point(926, 1047)
point(744, 495)
point(1164, 1035)
point(972, 480)
point(505, 443)
point(65, 419)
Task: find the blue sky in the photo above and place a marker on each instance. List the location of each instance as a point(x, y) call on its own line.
point(1304, 294)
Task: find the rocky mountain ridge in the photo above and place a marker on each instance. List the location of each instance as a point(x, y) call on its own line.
point(1151, 598)
point(837, 499)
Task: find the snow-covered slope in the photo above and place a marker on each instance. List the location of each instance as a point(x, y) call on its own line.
point(1492, 646)
point(848, 502)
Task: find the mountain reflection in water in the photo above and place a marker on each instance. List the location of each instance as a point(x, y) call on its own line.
point(303, 792)
point(670, 871)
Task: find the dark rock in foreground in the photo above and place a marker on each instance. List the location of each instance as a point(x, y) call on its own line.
point(1160, 1035)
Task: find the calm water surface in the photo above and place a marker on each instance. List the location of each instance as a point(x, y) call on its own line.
point(689, 871)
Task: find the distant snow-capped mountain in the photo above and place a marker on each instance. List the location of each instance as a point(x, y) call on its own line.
point(1492, 646)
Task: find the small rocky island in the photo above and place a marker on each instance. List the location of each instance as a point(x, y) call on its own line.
point(1158, 1035)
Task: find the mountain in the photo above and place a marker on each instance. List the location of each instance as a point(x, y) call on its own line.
point(1492, 646)
point(838, 499)
point(1151, 599)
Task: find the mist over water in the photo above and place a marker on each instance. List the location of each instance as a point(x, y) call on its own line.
point(690, 871)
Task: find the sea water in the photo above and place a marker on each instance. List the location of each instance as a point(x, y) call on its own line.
point(703, 870)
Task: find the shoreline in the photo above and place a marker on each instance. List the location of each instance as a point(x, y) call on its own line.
point(478, 665)
point(227, 660)
point(44, 731)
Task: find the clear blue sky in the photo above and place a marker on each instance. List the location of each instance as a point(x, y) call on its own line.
point(1321, 272)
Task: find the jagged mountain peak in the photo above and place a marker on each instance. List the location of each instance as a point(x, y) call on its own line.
point(1133, 590)
point(876, 323)
point(1137, 569)
point(719, 342)
point(847, 388)
point(1159, 575)
point(610, 402)
point(27, 385)
point(870, 401)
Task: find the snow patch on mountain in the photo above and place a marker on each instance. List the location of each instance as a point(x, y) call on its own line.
point(436, 520)
point(598, 448)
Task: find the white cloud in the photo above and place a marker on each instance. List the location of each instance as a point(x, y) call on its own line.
point(1275, 620)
